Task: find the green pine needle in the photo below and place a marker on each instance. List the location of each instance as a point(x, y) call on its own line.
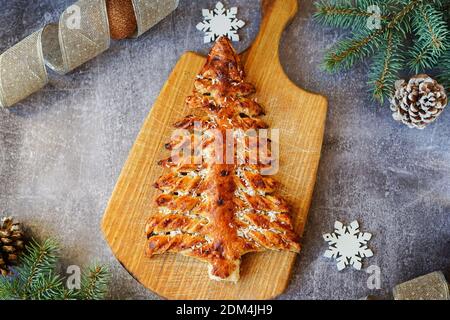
point(46, 287)
point(36, 277)
point(431, 34)
point(427, 22)
point(95, 285)
point(345, 14)
point(39, 260)
point(386, 65)
point(9, 289)
point(349, 51)
point(444, 66)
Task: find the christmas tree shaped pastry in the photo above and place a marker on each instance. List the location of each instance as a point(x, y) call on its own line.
point(218, 211)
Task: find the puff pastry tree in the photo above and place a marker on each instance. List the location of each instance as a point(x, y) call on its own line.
point(218, 211)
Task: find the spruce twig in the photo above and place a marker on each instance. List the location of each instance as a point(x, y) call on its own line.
point(432, 33)
point(349, 51)
point(9, 289)
point(46, 287)
point(385, 68)
point(427, 22)
point(344, 14)
point(38, 261)
point(444, 66)
point(36, 277)
point(95, 285)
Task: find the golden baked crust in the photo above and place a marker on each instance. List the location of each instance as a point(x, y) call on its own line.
point(219, 212)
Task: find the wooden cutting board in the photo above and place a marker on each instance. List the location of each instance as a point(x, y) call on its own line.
point(298, 114)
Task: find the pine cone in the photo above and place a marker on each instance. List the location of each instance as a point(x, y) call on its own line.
point(418, 102)
point(11, 244)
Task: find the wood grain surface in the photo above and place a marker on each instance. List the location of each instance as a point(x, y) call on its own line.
point(298, 114)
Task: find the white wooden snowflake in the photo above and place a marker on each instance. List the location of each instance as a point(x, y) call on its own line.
point(220, 22)
point(348, 245)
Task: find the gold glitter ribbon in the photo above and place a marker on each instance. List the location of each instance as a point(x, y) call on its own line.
point(81, 35)
point(433, 286)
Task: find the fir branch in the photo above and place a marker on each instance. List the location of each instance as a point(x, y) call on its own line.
point(427, 21)
point(94, 285)
point(349, 51)
point(46, 287)
point(9, 289)
point(432, 33)
point(344, 14)
point(397, 20)
point(444, 66)
point(67, 294)
point(36, 279)
point(38, 260)
point(386, 65)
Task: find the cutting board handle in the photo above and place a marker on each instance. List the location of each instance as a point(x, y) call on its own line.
point(276, 16)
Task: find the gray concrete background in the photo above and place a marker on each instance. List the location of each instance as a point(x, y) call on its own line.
point(62, 149)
